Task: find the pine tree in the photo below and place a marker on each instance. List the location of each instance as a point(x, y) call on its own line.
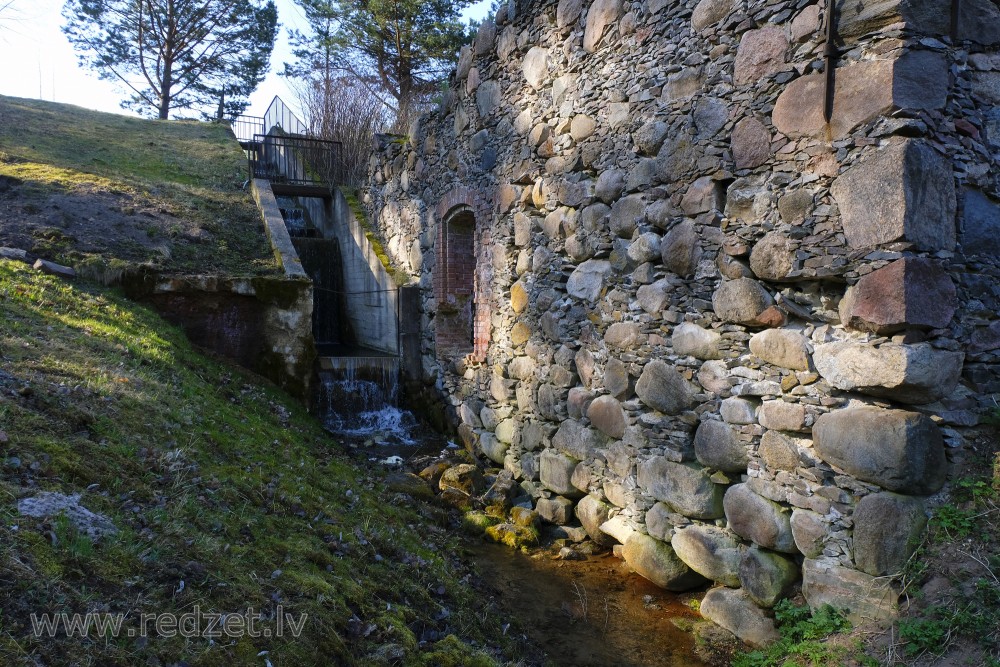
point(400, 49)
point(176, 54)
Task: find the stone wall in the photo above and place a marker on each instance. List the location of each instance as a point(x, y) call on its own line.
point(734, 338)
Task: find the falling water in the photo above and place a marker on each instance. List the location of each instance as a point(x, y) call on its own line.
point(358, 398)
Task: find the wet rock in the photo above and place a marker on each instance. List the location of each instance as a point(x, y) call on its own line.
point(686, 488)
point(741, 301)
point(662, 388)
point(717, 446)
point(606, 414)
point(758, 519)
point(781, 347)
point(766, 576)
point(657, 562)
point(905, 191)
point(917, 373)
point(710, 551)
point(735, 611)
point(887, 530)
point(898, 450)
point(866, 598)
point(690, 339)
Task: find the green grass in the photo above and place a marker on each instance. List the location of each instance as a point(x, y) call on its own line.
point(169, 176)
point(213, 480)
point(962, 531)
point(805, 640)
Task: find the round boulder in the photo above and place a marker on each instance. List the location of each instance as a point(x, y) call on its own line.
point(741, 301)
point(710, 551)
point(657, 562)
point(758, 519)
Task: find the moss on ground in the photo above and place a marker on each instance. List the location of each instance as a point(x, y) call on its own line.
point(226, 493)
point(84, 186)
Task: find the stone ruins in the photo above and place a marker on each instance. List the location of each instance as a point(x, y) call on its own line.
point(720, 291)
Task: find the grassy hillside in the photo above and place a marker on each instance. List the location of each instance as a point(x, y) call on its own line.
point(88, 187)
point(225, 494)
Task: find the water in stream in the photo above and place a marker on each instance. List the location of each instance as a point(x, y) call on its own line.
point(580, 613)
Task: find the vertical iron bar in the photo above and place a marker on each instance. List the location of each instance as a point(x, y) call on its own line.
point(829, 56)
point(956, 10)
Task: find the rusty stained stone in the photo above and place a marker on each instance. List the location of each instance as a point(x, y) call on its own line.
point(910, 292)
point(862, 91)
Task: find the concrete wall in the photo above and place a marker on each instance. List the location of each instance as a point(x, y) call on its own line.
point(737, 340)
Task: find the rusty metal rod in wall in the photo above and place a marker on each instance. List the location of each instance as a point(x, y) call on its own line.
point(829, 57)
point(956, 10)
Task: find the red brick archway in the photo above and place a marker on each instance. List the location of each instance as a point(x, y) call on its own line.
point(462, 322)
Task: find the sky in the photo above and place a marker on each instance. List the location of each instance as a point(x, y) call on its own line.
point(36, 60)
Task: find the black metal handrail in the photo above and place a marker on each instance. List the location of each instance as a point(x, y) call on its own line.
point(295, 160)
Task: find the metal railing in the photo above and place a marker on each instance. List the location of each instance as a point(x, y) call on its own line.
point(295, 160)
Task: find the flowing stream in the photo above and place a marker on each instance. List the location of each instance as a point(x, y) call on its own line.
point(580, 613)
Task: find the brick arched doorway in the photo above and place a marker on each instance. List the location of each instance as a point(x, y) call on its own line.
point(462, 325)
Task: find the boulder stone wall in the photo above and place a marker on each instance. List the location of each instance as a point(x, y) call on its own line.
point(693, 307)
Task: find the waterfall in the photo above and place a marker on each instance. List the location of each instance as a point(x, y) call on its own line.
point(358, 397)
